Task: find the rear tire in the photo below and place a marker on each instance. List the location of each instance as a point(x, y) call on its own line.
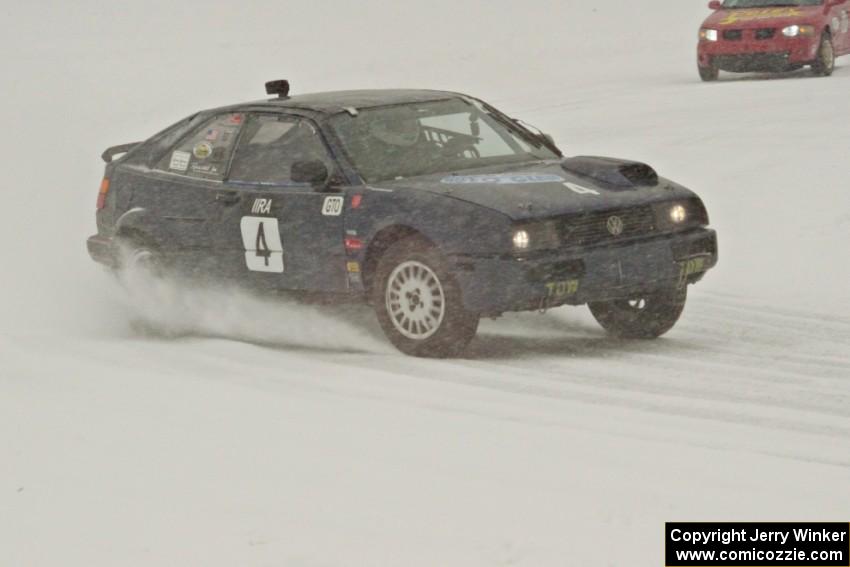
point(646, 317)
point(824, 65)
point(419, 304)
point(136, 256)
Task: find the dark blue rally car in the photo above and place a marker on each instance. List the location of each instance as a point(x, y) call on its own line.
point(433, 206)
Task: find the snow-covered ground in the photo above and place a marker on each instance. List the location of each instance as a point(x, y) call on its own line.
point(260, 433)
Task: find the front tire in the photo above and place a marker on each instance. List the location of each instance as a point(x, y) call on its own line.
point(418, 303)
point(824, 65)
point(708, 74)
point(645, 317)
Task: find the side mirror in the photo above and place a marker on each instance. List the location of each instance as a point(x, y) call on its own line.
point(313, 172)
point(715, 5)
point(549, 138)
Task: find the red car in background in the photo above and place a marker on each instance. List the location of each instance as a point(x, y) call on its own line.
point(743, 36)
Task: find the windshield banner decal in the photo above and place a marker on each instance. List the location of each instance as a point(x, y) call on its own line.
point(760, 14)
point(502, 179)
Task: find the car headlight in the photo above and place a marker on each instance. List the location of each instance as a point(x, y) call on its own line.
point(798, 31)
point(522, 240)
point(541, 235)
point(706, 34)
point(678, 214)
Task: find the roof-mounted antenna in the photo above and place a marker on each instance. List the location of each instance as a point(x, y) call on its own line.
point(279, 88)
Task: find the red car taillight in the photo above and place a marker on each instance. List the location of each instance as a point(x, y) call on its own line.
point(353, 244)
point(101, 196)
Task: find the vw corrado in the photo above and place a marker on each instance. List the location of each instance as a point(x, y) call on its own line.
point(434, 207)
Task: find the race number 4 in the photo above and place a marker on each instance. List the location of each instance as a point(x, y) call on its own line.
point(263, 248)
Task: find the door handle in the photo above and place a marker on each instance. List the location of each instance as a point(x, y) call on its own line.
point(228, 197)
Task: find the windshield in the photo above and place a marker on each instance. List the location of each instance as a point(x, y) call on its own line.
point(409, 140)
point(769, 3)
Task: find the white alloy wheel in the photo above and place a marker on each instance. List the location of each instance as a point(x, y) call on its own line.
point(415, 300)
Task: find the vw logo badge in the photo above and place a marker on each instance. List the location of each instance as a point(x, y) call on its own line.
point(615, 225)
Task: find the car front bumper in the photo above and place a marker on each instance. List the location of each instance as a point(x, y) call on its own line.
point(776, 54)
point(498, 284)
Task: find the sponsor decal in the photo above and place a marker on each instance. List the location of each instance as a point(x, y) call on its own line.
point(212, 135)
point(180, 161)
point(203, 150)
point(204, 169)
point(332, 206)
point(502, 179)
point(236, 119)
point(749, 15)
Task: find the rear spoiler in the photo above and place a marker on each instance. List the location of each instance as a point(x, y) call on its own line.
point(117, 150)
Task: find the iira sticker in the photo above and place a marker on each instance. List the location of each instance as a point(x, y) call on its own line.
point(262, 206)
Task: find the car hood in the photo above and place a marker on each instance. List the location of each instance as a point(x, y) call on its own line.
point(542, 190)
point(777, 16)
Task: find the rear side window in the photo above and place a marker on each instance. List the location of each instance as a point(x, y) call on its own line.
point(206, 152)
point(163, 141)
point(271, 144)
point(155, 147)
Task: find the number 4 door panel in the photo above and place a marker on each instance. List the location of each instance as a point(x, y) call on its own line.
point(263, 244)
point(286, 238)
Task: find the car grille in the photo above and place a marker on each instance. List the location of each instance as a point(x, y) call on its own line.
point(765, 33)
point(733, 35)
point(750, 62)
point(592, 228)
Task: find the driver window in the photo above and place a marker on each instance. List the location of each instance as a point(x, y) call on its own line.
point(270, 145)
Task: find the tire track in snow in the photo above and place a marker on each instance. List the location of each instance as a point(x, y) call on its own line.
point(723, 363)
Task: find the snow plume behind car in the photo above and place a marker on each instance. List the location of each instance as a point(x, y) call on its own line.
point(169, 307)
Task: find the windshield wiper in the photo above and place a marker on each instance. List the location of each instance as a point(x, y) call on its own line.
point(514, 126)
